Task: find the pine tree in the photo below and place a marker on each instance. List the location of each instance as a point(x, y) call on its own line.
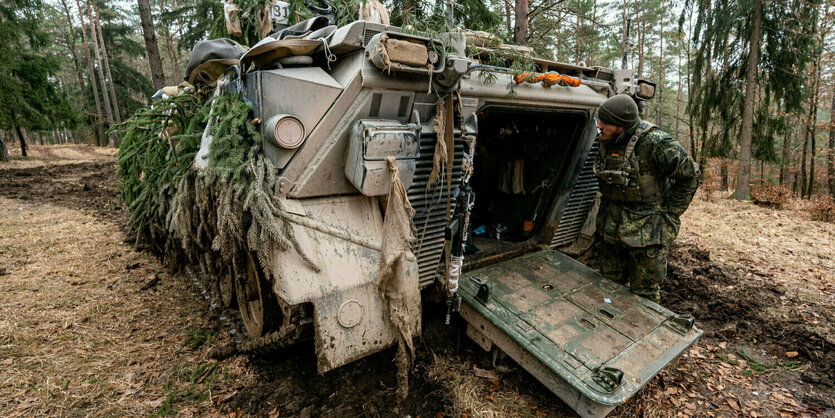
point(151, 47)
point(765, 37)
point(31, 96)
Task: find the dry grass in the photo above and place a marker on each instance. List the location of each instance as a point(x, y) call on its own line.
point(786, 244)
point(469, 395)
point(41, 155)
point(78, 336)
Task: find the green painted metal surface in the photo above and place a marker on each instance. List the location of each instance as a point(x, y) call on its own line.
point(590, 331)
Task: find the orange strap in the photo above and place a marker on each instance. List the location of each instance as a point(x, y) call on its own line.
point(549, 79)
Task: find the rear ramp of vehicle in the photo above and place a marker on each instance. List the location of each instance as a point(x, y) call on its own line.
point(588, 339)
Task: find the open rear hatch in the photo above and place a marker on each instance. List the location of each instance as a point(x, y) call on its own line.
point(588, 339)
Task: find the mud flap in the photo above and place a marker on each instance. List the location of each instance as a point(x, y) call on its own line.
point(588, 339)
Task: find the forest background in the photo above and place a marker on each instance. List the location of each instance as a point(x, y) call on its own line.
point(72, 69)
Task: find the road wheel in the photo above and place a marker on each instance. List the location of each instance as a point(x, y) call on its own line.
point(256, 302)
point(226, 286)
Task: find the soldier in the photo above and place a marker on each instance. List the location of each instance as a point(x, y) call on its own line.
point(647, 180)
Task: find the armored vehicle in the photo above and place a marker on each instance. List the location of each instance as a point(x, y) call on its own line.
point(519, 188)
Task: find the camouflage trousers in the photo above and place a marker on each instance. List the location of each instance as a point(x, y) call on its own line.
point(642, 268)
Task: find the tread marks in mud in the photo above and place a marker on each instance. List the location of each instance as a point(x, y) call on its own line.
point(728, 306)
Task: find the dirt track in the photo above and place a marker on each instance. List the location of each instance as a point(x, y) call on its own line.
point(90, 326)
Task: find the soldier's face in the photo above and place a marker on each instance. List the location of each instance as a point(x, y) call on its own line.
point(609, 132)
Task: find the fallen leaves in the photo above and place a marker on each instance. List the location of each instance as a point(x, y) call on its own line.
point(226, 397)
point(486, 374)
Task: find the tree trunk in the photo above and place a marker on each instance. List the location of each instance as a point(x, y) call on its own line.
point(100, 135)
point(116, 113)
point(4, 151)
point(640, 29)
point(659, 117)
point(762, 171)
point(102, 80)
point(20, 135)
point(678, 97)
point(175, 59)
point(578, 39)
point(809, 138)
point(623, 41)
point(408, 9)
point(743, 178)
point(813, 120)
point(803, 159)
point(690, 78)
point(520, 30)
point(175, 56)
point(508, 21)
point(784, 162)
point(151, 47)
point(71, 43)
point(593, 31)
point(831, 157)
point(811, 188)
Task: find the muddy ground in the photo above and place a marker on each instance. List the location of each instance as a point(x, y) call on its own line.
point(89, 325)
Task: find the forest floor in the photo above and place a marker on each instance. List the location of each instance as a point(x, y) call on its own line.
point(91, 326)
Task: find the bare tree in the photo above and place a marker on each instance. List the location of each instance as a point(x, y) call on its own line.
point(22, 136)
point(624, 42)
point(784, 162)
point(640, 30)
point(69, 35)
point(679, 40)
point(151, 47)
point(4, 151)
point(807, 183)
point(114, 102)
point(743, 188)
point(520, 29)
point(660, 114)
point(831, 157)
point(100, 119)
point(172, 49)
point(104, 94)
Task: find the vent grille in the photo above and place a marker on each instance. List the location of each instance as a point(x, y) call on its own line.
point(577, 209)
point(368, 35)
point(430, 207)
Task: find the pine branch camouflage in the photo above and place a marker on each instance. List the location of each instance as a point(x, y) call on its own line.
point(212, 217)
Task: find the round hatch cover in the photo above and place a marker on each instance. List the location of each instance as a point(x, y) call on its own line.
point(350, 314)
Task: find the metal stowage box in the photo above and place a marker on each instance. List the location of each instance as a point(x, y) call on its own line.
point(372, 140)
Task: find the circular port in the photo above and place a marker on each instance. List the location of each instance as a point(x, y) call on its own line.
point(287, 131)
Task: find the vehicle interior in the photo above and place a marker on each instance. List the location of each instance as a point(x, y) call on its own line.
point(520, 160)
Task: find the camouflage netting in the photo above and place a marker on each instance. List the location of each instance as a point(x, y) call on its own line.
point(211, 217)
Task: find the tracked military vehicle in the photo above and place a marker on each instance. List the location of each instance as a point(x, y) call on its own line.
point(489, 225)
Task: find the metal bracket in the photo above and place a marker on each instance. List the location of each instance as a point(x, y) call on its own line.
point(608, 377)
point(283, 186)
point(685, 322)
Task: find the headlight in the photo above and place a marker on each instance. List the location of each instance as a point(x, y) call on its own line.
point(285, 131)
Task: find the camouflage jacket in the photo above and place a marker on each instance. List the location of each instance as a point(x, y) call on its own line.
point(644, 224)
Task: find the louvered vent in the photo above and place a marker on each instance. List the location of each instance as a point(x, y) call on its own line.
point(430, 206)
point(579, 203)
